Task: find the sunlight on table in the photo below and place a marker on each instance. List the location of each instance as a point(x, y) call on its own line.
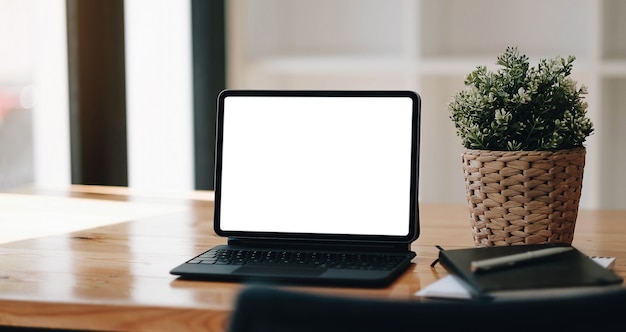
point(25, 216)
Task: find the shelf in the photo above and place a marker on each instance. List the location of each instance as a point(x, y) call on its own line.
point(613, 30)
point(430, 46)
point(277, 27)
point(613, 68)
point(485, 27)
point(446, 66)
point(612, 132)
point(332, 64)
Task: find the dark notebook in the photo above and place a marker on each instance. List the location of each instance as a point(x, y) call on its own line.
point(565, 273)
point(314, 187)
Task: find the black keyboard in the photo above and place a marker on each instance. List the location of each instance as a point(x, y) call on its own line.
point(330, 260)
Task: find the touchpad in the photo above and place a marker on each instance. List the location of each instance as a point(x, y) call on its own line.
point(278, 271)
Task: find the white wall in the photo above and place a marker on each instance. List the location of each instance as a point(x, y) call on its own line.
point(159, 95)
point(51, 109)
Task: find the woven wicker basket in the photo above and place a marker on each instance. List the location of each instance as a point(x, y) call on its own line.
point(523, 197)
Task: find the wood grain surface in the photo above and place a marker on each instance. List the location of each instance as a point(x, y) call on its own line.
point(116, 277)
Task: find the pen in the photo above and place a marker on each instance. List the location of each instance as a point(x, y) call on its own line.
point(512, 260)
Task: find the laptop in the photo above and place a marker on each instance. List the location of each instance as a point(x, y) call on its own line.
point(313, 187)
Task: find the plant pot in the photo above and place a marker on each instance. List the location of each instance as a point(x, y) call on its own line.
point(523, 197)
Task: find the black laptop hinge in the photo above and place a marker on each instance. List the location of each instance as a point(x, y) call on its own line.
point(315, 244)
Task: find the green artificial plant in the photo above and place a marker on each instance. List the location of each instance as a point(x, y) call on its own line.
point(520, 107)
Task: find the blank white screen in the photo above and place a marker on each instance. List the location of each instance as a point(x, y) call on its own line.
point(331, 165)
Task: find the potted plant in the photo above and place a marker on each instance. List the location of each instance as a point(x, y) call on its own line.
point(523, 130)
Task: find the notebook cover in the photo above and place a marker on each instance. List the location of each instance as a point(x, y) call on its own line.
point(567, 270)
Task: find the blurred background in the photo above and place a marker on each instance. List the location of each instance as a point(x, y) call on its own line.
point(16, 79)
point(427, 46)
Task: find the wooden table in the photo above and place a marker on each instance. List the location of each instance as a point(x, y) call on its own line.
point(116, 276)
